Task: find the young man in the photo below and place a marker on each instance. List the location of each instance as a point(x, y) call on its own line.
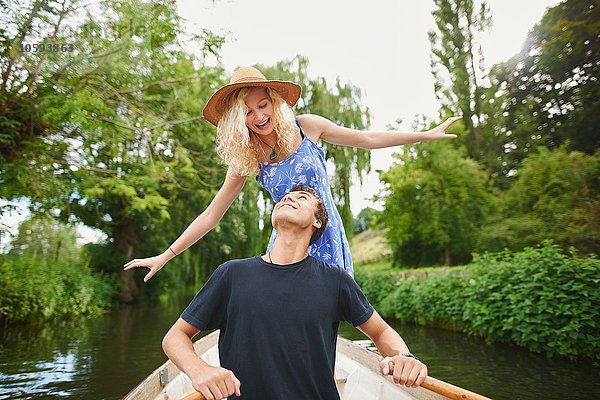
point(279, 315)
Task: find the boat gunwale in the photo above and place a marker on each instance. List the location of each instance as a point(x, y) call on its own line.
point(200, 346)
point(150, 387)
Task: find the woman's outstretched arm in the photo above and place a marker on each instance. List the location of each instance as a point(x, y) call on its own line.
point(317, 127)
point(208, 219)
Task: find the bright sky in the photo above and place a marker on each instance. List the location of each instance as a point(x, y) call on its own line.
point(380, 46)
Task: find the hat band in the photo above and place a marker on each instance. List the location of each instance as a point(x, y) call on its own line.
point(249, 79)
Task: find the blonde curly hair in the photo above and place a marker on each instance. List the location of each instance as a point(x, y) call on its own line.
point(234, 145)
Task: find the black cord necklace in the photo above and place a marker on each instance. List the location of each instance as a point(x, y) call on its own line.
point(271, 261)
point(273, 154)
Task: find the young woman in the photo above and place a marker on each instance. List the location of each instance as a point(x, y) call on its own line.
point(258, 135)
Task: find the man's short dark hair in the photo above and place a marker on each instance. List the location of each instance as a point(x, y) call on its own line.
point(320, 213)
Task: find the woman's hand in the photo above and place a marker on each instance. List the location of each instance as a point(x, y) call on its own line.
point(439, 132)
point(153, 263)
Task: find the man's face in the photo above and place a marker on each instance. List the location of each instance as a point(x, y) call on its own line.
point(296, 208)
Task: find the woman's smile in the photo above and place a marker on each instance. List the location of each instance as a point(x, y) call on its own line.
point(264, 125)
point(259, 111)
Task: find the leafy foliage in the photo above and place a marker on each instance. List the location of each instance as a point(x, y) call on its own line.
point(376, 285)
point(436, 203)
point(43, 277)
point(367, 218)
point(455, 56)
point(556, 195)
point(551, 86)
point(538, 298)
point(111, 133)
point(545, 95)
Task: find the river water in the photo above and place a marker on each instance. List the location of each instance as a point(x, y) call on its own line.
point(105, 357)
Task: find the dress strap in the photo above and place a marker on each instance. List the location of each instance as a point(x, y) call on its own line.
point(300, 126)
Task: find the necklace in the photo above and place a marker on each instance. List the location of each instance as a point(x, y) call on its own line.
point(273, 154)
point(264, 154)
point(271, 261)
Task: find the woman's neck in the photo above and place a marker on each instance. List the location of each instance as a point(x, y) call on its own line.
point(266, 150)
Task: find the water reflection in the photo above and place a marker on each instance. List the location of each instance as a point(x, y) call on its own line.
point(101, 358)
point(499, 371)
point(105, 357)
point(42, 361)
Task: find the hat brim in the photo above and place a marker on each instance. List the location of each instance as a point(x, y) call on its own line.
point(215, 107)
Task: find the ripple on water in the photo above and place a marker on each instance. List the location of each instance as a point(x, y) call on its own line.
point(40, 376)
point(106, 357)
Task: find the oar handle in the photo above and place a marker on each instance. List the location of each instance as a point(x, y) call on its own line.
point(432, 384)
point(194, 396)
point(448, 390)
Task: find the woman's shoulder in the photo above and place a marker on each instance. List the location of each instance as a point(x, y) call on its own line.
point(313, 125)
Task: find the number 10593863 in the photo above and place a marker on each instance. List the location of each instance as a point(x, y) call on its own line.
point(48, 47)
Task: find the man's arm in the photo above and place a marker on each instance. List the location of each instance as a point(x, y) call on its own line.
point(405, 370)
point(214, 383)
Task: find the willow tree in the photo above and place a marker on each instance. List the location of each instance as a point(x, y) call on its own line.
point(341, 103)
point(109, 130)
point(457, 63)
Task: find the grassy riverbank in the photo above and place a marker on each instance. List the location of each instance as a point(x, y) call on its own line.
point(538, 298)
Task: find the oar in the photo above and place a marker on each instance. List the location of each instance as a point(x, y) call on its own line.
point(194, 396)
point(450, 391)
point(432, 384)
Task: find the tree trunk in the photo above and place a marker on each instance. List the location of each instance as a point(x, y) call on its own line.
point(125, 240)
point(447, 258)
point(57, 252)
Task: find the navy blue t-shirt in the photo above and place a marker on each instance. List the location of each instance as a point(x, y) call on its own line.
point(279, 324)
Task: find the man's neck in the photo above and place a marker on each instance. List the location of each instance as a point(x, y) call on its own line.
point(288, 248)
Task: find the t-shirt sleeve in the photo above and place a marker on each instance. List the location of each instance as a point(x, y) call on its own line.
point(353, 306)
point(208, 309)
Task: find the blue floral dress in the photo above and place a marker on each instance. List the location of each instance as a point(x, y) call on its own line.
point(307, 167)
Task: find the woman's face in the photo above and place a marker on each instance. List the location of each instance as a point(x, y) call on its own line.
point(259, 111)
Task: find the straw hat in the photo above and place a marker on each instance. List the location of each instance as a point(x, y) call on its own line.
point(248, 77)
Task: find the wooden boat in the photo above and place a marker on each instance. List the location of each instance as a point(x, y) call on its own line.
point(357, 377)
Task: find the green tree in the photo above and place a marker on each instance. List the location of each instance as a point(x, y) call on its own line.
point(367, 218)
point(117, 139)
point(435, 204)
point(43, 275)
point(556, 196)
point(341, 103)
point(551, 86)
point(456, 56)
point(45, 237)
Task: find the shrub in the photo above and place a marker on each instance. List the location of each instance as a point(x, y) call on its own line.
point(538, 298)
point(35, 288)
point(556, 195)
point(376, 285)
point(435, 205)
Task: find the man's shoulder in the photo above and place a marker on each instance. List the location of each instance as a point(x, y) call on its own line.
point(233, 267)
point(326, 268)
point(238, 263)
